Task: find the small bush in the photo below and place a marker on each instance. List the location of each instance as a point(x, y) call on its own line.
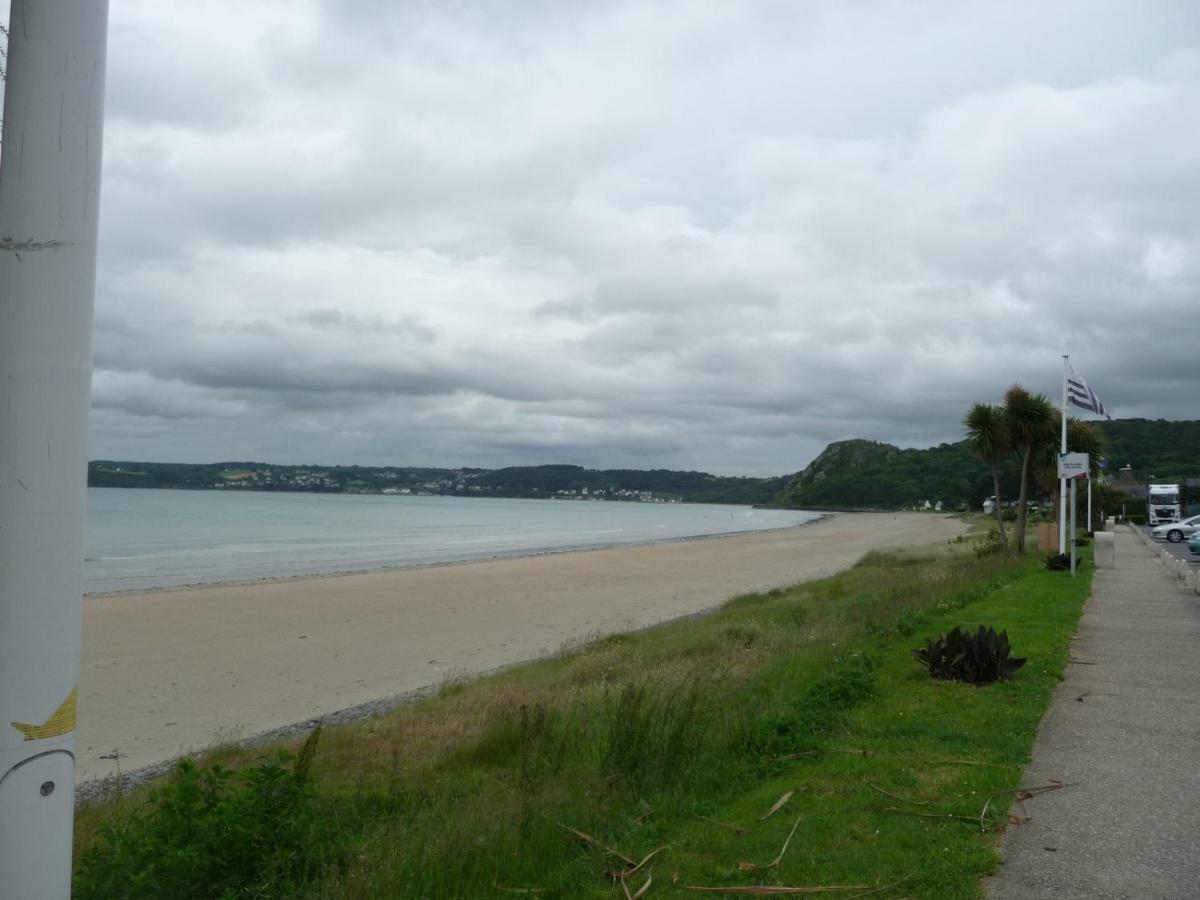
point(851, 681)
point(991, 543)
point(213, 832)
point(802, 722)
point(745, 635)
point(976, 658)
point(1061, 562)
point(910, 622)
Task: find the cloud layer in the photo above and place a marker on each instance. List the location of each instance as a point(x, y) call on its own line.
point(708, 236)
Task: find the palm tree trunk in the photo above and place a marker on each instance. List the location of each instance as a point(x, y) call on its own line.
point(999, 510)
point(1021, 502)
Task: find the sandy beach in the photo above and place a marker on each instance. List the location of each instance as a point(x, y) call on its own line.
point(171, 672)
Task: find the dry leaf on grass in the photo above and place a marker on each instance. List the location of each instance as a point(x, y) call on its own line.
point(587, 838)
point(641, 892)
point(649, 856)
point(931, 815)
point(515, 890)
point(881, 888)
point(749, 866)
point(873, 786)
point(765, 890)
point(737, 830)
point(778, 805)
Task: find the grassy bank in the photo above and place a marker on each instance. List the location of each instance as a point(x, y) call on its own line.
point(681, 737)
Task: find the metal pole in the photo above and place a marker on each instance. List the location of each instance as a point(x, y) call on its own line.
point(1074, 481)
point(49, 193)
point(1062, 482)
point(1090, 524)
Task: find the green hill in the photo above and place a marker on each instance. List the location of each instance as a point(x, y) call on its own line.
point(860, 474)
point(1167, 450)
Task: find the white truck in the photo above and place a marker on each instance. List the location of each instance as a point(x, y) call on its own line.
point(1163, 504)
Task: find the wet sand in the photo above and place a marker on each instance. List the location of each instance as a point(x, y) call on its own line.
point(172, 672)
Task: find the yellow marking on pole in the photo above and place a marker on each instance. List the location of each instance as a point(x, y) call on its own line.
point(61, 721)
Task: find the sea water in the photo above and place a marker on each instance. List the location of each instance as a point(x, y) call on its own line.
point(142, 539)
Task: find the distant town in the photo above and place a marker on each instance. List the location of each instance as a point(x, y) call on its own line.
point(554, 482)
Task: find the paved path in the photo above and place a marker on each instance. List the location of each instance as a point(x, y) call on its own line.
point(1128, 729)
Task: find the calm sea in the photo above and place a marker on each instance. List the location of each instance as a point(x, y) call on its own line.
point(139, 539)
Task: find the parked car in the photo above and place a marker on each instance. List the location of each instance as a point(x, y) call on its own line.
point(1177, 531)
point(1194, 543)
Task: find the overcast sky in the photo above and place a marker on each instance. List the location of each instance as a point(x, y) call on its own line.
point(712, 235)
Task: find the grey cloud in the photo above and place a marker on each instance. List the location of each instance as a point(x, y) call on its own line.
point(643, 234)
point(333, 318)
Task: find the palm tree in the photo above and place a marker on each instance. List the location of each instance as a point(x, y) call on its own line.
point(989, 439)
point(1028, 417)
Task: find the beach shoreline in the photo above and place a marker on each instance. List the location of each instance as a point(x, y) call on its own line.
point(223, 663)
point(450, 563)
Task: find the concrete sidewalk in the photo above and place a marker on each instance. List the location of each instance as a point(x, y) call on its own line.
point(1128, 730)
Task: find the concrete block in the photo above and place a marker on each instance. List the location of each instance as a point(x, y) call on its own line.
point(1106, 550)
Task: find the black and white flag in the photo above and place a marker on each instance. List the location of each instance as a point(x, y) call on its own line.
point(1083, 396)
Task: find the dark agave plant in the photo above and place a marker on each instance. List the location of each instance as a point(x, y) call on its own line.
point(1061, 562)
point(976, 657)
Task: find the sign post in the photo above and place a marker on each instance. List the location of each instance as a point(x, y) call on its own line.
point(49, 195)
point(1072, 467)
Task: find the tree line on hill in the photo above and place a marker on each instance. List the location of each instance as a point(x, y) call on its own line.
point(559, 481)
point(852, 474)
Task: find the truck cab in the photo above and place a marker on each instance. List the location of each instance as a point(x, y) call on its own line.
point(1163, 504)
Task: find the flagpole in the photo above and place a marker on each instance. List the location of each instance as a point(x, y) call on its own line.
point(1062, 482)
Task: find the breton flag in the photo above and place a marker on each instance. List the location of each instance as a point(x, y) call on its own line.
point(1083, 396)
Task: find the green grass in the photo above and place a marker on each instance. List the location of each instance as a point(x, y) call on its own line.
point(678, 737)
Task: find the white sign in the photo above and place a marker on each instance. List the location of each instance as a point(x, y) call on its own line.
point(1072, 465)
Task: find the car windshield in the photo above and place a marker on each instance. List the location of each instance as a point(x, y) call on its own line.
point(1164, 499)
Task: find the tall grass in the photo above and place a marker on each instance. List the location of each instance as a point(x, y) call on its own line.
point(647, 739)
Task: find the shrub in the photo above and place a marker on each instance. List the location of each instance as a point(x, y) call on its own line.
point(991, 543)
point(1061, 562)
point(976, 658)
point(801, 722)
point(212, 832)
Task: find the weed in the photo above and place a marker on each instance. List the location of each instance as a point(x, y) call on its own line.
point(653, 734)
point(213, 832)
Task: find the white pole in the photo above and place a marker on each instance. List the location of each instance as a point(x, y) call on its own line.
point(1090, 526)
point(1062, 482)
point(1074, 482)
point(49, 191)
